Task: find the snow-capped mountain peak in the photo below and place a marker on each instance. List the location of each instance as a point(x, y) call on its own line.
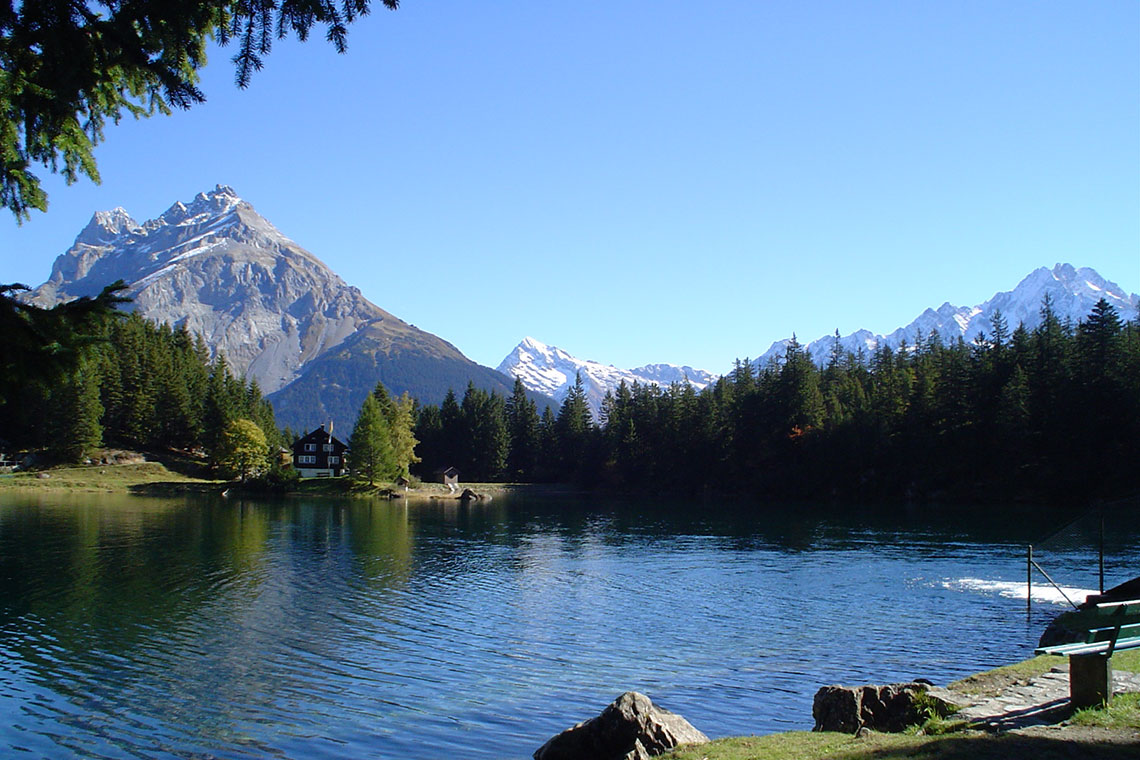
point(106, 226)
point(217, 266)
point(1073, 292)
point(217, 203)
point(552, 371)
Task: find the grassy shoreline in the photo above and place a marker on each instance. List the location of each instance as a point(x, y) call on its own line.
point(173, 476)
point(108, 478)
point(1111, 733)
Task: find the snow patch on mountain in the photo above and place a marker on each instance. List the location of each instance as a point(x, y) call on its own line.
point(219, 268)
point(1074, 292)
point(552, 371)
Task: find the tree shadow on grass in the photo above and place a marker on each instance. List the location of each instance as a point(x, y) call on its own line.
point(175, 488)
point(181, 462)
point(1009, 746)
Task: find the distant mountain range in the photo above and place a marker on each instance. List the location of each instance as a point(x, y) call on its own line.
point(313, 343)
point(1074, 293)
point(552, 371)
point(317, 346)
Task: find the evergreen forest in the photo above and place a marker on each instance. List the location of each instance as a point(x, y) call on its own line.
point(1050, 412)
point(126, 382)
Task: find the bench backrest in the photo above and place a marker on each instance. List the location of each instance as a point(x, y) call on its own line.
point(1127, 609)
point(1111, 633)
point(1099, 622)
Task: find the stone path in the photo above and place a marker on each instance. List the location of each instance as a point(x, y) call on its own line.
point(1039, 701)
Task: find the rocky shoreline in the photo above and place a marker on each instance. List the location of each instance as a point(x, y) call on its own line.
point(994, 703)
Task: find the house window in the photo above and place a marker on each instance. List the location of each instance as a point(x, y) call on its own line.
point(334, 460)
point(303, 459)
point(328, 447)
point(310, 447)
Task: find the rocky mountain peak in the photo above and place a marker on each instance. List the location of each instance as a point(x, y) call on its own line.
point(217, 266)
point(551, 371)
point(1073, 291)
point(217, 203)
point(315, 345)
point(106, 226)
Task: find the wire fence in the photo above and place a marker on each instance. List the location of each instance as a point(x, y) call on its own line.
point(1093, 552)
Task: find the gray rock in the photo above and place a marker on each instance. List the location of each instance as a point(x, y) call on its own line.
point(631, 728)
point(837, 708)
point(890, 708)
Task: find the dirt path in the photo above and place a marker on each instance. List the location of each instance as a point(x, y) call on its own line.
point(1038, 701)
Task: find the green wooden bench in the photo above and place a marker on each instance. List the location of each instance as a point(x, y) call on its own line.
point(1104, 628)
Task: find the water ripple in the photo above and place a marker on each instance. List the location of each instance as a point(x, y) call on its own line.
point(200, 629)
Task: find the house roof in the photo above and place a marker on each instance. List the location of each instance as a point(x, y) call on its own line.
point(320, 435)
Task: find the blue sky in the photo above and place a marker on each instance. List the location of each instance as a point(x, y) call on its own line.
point(661, 181)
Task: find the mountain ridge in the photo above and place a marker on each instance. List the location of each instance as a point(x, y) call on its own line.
point(1074, 292)
point(552, 371)
point(276, 311)
point(548, 369)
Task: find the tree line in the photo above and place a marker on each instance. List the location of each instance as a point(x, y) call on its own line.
point(1050, 411)
point(135, 384)
point(490, 438)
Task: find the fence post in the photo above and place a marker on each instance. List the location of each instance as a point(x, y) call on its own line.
point(1029, 582)
point(1102, 547)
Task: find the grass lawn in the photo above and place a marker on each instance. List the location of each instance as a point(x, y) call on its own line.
point(1096, 734)
point(173, 473)
point(145, 477)
point(970, 745)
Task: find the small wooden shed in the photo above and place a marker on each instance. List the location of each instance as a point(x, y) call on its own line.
point(449, 476)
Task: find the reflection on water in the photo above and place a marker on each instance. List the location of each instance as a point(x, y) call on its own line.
point(134, 627)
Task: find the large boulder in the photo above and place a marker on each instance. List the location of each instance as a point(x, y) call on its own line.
point(889, 708)
point(631, 728)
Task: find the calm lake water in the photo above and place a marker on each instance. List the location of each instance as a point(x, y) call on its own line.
point(141, 628)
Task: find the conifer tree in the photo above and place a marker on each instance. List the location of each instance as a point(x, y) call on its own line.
point(522, 431)
point(545, 467)
point(1099, 342)
point(40, 345)
point(1013, 415)
point(111, 394)
point(181, 418)
point(573, 429)
point(799, 393)
point(219, 408)
point(77, 431)
point(371, 445)
point(429, 432)
point(492, 438)
point(384, 399)
point(139, 418)
point(403, 438)
point(451, 449)
point(483, 438)
point(1051, 371)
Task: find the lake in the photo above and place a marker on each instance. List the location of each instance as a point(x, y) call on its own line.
point(135, 627)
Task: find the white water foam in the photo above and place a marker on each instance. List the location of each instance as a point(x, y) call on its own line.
point(1042, 591)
